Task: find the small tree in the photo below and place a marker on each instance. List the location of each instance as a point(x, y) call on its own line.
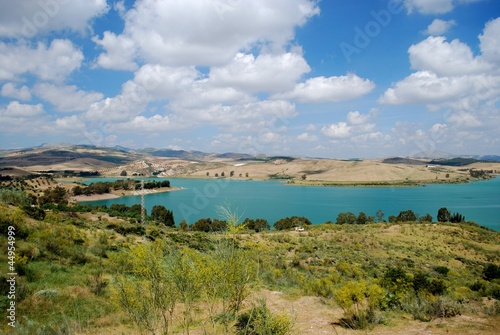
point(346, 218)
point(443, 215)
point(123, 173)
point(407, 216)
point(457, 218)
point(426, 218)
point(362, 218)
point(380, 215)
point(163, 215)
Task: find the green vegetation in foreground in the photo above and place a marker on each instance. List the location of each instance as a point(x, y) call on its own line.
point(79, 272)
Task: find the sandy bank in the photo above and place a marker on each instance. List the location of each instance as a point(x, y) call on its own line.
point(120, 193)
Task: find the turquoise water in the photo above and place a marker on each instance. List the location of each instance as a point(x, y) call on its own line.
point(273, 200)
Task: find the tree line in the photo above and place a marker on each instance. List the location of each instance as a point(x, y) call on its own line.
point(127, 184)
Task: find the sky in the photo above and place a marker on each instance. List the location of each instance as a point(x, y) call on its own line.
point(329, 78)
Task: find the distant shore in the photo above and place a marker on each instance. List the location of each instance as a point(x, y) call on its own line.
point(120, 193)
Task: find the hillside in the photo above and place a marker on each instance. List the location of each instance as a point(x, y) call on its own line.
point(89, 271)
point(73, 160)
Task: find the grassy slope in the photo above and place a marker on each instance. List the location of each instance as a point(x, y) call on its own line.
point(297, 274)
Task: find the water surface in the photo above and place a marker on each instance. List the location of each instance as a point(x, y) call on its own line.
point(272, 200)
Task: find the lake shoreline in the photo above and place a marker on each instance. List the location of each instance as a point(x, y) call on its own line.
point(121, 194)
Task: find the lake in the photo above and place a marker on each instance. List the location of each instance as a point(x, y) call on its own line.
point(272, 200)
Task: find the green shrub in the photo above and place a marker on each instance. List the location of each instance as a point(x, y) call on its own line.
point(260, 321)
point(426, 308)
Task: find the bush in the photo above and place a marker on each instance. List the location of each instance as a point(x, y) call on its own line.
point(359, 301)
point(426, 308)
point(291, 222)
point(260, 321)
point(363, 320)
point(491, 271)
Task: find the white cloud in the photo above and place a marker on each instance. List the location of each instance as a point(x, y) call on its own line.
point(337, 130)
point(464, 119)
point(70, 124)
point(141, 124)
point(24, 119)
point(439, 27)
point(264, 73)
point(15, 109)
point(254, 116)
point(438, 130)
point(490, 42)
point(9, 90)
point(120, 52)
point(28, 18)
point(53, 63)
point(214, 34)
point(449, 75)
point(425, 87)
point(445, 59)
point(307, 137)
point(356, 118)
point(429, 6)
point(332, 89)
point(67, 98)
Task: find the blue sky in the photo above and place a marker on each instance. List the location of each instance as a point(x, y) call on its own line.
point(337, 79)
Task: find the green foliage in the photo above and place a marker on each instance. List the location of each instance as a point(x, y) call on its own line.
point(443, 215)
point(14, 198)
point(160, 214)
point(56, 195)
point(427, 218)
point(257, 225)
point(359, 300)
point(491, 271)
point(346, 218)
point(406, 216)
point(208, 225)
point(426, 308)
point(457, 218)
point(291, 222)
point(260, 321)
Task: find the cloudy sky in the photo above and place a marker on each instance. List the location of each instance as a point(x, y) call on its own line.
point(330, 78)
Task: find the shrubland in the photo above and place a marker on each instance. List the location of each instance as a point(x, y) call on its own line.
point(83, 270)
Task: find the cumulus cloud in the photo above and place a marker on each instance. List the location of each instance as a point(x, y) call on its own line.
point(10, 90)
point(357, 118)
point(332, 89)
point(160, 34)
point(16, 109)
point(439, 27)
point(264, 73)
point(25, 119)
point(307, 137)
point(490, 42)
point(67, 98)
point(425, 87)
point(120, 52)
point(53, 63)
point(337, 130)
point(30, 18)
point(449, 74)
point(445, 59)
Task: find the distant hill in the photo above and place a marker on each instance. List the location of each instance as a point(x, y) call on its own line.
point(45, 156)
point(490, 158)
point(401, 160)
point(457, 161)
